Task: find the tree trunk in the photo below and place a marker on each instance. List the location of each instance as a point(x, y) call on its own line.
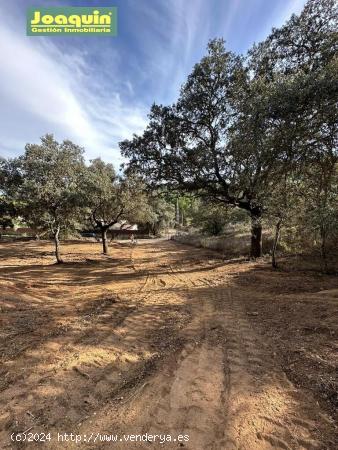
point(256, 235)
point(177, 212)
point(275, 243)
point(57, 246)
point(325, 267)
point(104, 241)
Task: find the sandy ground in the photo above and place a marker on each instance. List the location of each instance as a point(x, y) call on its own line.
point(164, 339)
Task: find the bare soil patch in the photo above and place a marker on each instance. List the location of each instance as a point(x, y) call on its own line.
point(165, 339)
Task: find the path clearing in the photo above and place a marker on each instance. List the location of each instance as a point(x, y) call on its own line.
point(154, 339)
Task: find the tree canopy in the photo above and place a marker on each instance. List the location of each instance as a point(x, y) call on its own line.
point(241, 124)
point(111, 199)
point(48, 187)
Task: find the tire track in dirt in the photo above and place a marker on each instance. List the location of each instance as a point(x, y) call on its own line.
point(223, 389)
point(175, 354)
point(262, 403)
point(182, 397)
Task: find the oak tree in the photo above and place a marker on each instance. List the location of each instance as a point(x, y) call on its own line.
point(49, 187)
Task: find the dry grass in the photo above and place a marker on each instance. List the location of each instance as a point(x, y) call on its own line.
point(231, 245)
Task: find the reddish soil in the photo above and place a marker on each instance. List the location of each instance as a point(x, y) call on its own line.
point(165, 339)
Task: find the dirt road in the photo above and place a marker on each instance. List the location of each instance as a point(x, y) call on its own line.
point(155, 339)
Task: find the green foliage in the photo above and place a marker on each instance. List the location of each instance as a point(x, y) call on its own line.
point(160, 215)
point(256, 134)
point(50, 179)
point(46, 188)
point(209, 218)
point(241, 127)
point(193, 145)
point(7, 212)
point(110, 199)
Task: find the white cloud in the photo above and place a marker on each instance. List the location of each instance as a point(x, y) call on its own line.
point(43, 91)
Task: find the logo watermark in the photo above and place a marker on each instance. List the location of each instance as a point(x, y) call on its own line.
point(70, 21)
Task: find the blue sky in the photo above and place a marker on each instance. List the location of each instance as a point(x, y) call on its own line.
point(98, 90)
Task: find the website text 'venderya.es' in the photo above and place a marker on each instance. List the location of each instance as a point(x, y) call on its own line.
point(99, 437)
